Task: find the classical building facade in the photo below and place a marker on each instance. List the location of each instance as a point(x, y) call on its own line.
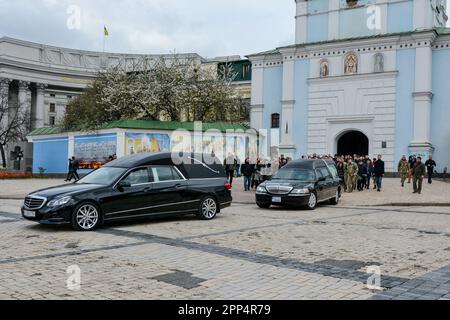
point(41, 79)
point(369, 77)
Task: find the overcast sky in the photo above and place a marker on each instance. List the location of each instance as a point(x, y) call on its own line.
point(208, 27)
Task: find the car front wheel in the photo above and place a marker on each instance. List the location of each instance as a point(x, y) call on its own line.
point(208, 208)
point(312, 202)
point(86, 217)
point(335, 201)
point(263, 205)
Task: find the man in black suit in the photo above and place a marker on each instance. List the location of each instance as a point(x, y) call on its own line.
point(430, 164)
point(379, 172)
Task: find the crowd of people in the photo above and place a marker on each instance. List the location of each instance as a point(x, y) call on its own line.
point(357, 173)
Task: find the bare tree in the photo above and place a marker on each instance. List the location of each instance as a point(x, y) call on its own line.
point(13, 125)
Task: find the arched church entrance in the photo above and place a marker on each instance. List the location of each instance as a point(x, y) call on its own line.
point(353, 142)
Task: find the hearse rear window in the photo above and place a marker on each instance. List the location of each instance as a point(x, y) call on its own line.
point(164, 173)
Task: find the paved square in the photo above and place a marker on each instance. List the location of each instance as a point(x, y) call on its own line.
point(246, 253)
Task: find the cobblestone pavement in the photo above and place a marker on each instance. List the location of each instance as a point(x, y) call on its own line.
point(246, 253)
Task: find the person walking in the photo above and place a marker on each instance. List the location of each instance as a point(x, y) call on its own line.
point(430, 164)
point(352, 174)
point(362, 174)
point(418, 175)
point(379, 171)
point(238, 167)
point(70, 171)
point(230, 167)
point(247, 171)
point(341, 172)
point(403, 170)
point(76, 167)
point(369, 173)
point(412, 160)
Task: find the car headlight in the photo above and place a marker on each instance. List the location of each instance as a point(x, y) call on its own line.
point(59, 202)
point(261, 190)
point(302, 191)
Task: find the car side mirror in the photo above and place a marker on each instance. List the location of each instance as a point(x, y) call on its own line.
point(123, 185)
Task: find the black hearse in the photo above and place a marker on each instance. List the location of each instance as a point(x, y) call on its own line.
point(301, 183)
point(136, 186)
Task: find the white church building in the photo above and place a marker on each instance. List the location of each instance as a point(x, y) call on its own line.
point(367, 77)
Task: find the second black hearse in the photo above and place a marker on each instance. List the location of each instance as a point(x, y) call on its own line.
point(136, 186)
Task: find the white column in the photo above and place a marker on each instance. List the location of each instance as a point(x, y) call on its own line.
point(24, 108)
point(4, 101)
point(71, 145)
point(121, 140)
point(287, 146)
point(333, 20)
point(422, 15)
point(257, 100)
point(383, 5)
point(423, 95)
point(301, 22)
point(39, 120)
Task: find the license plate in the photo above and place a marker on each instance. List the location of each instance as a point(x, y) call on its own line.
point(276, 199)
point(29, 214)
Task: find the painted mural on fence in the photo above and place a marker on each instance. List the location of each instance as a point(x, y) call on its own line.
point(93, 152)
point(146, 142)
point(219, 146)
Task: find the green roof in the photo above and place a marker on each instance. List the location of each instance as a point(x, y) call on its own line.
point(149, 125)
point(443, 30)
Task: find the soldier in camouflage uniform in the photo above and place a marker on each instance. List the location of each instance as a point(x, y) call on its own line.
point(403, 170)
point(351, 175)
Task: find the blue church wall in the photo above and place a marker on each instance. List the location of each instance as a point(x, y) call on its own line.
point(273, 94)
point(352, 23)
point(440, 114)
point(318, 6)
point(317, 28)
point(51, 154)
point(301, 107)
point(405, 102)
point(400, 16)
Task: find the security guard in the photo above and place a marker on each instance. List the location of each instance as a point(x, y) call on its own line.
point(418, 175)
point(351, 176)
point(403, 169)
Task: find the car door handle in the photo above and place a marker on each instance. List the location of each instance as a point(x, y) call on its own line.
point(147, 189)
point(178, 186)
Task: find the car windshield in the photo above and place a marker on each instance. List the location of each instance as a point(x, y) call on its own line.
point(103, 176)
point(294, 174)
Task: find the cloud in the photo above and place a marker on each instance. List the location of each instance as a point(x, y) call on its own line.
point(208, 27)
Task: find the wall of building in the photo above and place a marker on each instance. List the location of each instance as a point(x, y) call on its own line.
point(301, 107)
point(94, 150)
point(51, 154)
point(272, 96)
point(400, 17)
point(440, 114)
point(321, 20)
point(404, 108)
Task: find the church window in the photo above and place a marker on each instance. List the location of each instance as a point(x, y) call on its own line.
point(275, 121)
